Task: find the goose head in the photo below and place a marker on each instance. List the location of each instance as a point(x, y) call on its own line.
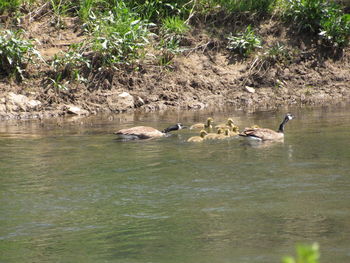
point(209, 121)
point(203, 133)
point(176, 127)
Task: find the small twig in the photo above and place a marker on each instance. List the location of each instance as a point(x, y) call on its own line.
point(38, 12)
point(192, 12)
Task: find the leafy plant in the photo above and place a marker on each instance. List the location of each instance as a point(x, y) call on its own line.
point(15, 54)
point(336, 29)
point(277, 53)
point(244, 42)
point(305, 254)
point(322, 17)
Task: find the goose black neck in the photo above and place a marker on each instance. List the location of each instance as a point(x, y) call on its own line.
point(281, 128)
point(171, 128)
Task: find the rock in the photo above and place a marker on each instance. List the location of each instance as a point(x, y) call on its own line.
point(249, 89)
point(18, 102)
point(72, 109)
point(121, 102)
point(139, 102)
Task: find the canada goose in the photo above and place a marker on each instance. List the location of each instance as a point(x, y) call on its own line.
point(199, 138)
point(264, 134)
point(145, 132)
point(206, 125)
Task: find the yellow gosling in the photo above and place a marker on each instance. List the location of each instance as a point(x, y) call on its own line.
point(215, 136)
point(199, 138)
point(207, 125)
point(229, 123)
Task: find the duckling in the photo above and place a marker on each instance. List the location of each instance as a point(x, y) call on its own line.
point(255, 126)
point(229, 123)
point(199, 138)
point(145, 132)
point(214, 136)
point(207, 125)
point(264, 134)
point(233, 132)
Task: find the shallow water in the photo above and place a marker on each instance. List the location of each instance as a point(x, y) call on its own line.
point(70, 192)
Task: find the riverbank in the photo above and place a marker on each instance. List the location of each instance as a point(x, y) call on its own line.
point(290, 68)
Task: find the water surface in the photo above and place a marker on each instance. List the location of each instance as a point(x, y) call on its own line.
point(70, 192)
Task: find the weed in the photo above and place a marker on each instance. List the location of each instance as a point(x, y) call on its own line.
point(244, 42)
point(70, 64)
point(118, 36)
point(305, 254)
point(239, 6)
point(174, 25)
point(15, 54)
point(157, 10)
point(278, 53)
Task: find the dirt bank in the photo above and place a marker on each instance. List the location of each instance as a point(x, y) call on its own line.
point(204, 75)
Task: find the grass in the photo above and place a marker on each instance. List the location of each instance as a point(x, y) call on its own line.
point(9, 6)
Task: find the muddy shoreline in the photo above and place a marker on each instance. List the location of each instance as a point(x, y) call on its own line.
point(203, 76)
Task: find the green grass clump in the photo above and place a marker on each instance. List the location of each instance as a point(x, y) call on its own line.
point(322, 17)
point(244, 43)
point(174, 25)
point(305, 254)
point(9, 5)
point(239, 6)
point(119, 36)
point(15, 54)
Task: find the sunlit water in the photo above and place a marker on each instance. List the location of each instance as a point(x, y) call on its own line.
point(70, 192)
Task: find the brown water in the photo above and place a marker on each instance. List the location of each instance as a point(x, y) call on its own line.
point(70, 192)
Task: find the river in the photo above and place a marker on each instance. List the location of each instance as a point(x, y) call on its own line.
point(71, 192)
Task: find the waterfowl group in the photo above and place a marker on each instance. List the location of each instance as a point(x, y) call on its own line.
point(264, 134)
point(224, 131)
point(145, 132)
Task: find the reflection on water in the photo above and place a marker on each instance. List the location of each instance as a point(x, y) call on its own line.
point(70, 192)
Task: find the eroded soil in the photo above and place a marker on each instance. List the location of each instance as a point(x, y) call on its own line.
point(205, 75)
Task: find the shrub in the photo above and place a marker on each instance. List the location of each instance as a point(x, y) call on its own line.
point(244, 43)
point(322, 17)
point(15, 54)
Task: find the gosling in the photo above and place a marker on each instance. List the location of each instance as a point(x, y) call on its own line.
point(207, 125)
